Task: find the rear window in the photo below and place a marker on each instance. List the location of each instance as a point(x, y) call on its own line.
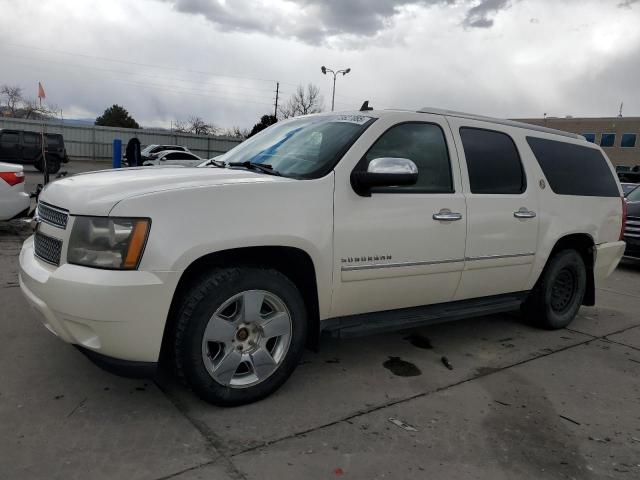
point(493, 162)
point(53, 140)
point(573, 169)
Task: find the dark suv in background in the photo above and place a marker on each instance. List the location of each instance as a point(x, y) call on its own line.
point(18, 146)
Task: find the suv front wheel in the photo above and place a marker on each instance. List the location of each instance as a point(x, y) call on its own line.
point(240, 334)
point(556, 298)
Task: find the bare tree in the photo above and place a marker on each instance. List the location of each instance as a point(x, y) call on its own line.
point(17, 106)
point(236, 132)
point(12, 95)
point(303, 102)
point(195, 125)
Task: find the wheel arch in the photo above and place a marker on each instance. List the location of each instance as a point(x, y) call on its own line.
point(292, 262)
point(584, 244)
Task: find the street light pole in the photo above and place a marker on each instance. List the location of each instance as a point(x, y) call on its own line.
point(324, 70)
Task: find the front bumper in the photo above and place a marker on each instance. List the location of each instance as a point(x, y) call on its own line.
point(118, 314)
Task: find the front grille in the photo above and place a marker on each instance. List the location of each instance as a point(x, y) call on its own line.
point(632, 229)
point(55, 216)
point(47, 248)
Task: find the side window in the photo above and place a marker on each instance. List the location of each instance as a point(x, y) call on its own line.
point(30, 138)
point(10, 137)
point(628, 140)
point(493, 162)
point(574, 169)
point(425, 145)
point(608, 140)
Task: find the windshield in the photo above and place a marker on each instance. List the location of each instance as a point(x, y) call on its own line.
point(627, 188)
point(307, 147)
point(634, 195)
point(148, 149)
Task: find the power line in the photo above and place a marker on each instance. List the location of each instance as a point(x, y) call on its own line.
point(175, 91)
point(140, 64)
point(122, 72)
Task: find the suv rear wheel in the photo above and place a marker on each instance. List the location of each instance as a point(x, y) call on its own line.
point(240, 333)
point(53, 164)
point(557, 296)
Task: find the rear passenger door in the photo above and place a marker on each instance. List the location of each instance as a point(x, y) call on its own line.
point(502, 209)
point(31, 148)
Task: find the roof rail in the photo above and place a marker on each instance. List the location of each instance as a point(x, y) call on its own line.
point(499, 121)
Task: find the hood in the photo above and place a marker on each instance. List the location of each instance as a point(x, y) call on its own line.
point(96, 193)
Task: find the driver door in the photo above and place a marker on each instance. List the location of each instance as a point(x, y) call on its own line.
point(390, 249)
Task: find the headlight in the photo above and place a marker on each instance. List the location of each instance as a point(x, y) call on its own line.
point(104, 242)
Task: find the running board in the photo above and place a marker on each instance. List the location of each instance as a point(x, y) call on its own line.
point(405, 318)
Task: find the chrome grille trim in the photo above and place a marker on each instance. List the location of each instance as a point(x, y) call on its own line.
point(47, 249)
point(55, 216)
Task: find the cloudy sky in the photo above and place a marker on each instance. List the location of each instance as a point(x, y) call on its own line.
point(165, 60)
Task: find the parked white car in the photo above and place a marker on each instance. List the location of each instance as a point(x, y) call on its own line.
point(351, 223)
point(173, 157)
point(14, 201)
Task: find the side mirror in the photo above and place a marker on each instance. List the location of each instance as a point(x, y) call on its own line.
point(384, 172)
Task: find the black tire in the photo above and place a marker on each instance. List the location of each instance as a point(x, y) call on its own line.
point(556, 298)
point(207, 295)
point(53, 164)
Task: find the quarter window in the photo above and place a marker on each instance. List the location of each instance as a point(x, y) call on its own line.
point(608, 140)
point(425, 145)
point(628, 140)
point(574, 169)
point(590, 137)
point(493, 162)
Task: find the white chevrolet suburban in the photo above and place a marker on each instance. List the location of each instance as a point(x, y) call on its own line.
point(349, 223)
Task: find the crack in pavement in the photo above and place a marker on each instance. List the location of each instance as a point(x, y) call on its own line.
point(190, 469)
point(211, 438)
point(618, 293)
point(429, 392)
point(622, 344)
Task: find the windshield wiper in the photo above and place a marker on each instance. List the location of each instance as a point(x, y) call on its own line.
point(261, 167)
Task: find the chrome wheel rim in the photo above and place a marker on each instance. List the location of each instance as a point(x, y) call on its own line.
point(246, 339)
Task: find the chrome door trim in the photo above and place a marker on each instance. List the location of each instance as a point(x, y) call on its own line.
point(369, 266)
point(494, 257)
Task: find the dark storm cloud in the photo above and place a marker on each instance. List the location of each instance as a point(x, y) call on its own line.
point(313, 21)
point(480, 15)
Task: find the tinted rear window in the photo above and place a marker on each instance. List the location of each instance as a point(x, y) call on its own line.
point(53, 140)
point(573, 169)
point(493, 162)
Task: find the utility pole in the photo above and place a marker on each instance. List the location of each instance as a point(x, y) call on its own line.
point(324, 70)
point(275, 111)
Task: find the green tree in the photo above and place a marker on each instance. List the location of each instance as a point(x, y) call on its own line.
point(264, 122)
point(116, 116)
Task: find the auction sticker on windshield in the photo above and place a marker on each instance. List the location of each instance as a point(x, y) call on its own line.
point(357, 119)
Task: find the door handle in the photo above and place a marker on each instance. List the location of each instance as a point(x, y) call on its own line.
point(522, 212)
point(446, 215)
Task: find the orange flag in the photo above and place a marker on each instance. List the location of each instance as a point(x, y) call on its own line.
point(41, 94)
